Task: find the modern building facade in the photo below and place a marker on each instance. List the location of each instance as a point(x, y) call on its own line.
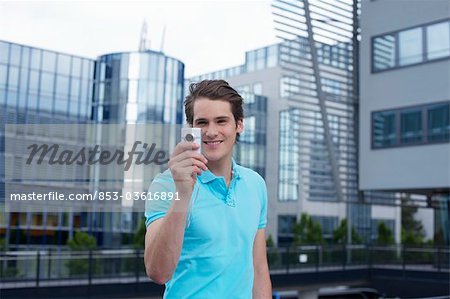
point(404, 105)
point(298, 172)
point(38, 86)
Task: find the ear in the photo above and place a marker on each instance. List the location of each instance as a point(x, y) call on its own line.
point(240, 126)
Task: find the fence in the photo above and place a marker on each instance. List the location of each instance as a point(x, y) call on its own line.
point(62, 267)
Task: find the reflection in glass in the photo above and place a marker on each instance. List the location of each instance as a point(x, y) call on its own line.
point(438, 123)
point(411, 127)
point(3, 75)
point(383, 52)
point(36, 58)
point(14, 58)
point(438, 40)
point(47, 81)
point(45, 103)
point(13, 79)
point(60, 106)
point(288, 156)
point(34, 81)
point(48, 61)
point(76, 67)
point(63, 64)
point(410, 46)
point(257, 89)
point(249, 134)
point(4, 52)
point(272, 56)
point(384, 129)
point(250, 61)
point(25, 57)
point(62, 86)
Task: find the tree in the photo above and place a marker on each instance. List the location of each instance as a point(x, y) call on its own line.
point(272, 252)
point(412, 229)
point(385, 236)
point(139, 235)
point(80, 266)
point(3, 244)
point(307, 231)
point(82, 241)
point(340, 234)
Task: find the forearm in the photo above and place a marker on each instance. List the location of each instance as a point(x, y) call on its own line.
point(262, 286)
point(164, 245)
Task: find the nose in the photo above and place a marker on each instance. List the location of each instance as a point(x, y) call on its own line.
point(211, 131)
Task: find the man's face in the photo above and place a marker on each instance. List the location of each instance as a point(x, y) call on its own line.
point(218, 128)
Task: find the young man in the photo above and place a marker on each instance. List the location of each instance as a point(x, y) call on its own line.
point(211, 242)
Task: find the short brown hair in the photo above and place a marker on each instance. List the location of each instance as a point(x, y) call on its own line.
point(214, 90)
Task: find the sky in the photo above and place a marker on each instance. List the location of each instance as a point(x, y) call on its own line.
point(206, 35)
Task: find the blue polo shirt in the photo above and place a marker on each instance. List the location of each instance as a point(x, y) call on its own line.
point(216, 259)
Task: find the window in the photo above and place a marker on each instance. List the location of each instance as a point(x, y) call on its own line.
point(36, 58)
point(257, 89)
point(64, 65)
point(411, 46)
point(47, 81)
point(438, 123)
point(62, 86)
point(383, 128)
point(272, 56)
point(411, 127)
point(249, 134)
point(289, 156)
point(327, 223)
point(285, 224)
point(15, 55)
point(438, 43)
point(4, 52)
point(384, 52)
point(48, 61)
point(424, 124)
point(250, 61)
point(3, 75)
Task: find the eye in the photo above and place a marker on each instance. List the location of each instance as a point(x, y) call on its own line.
point(201, 123)
point(222, 121)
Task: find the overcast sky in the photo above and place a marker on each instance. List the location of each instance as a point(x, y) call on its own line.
point(205, 35)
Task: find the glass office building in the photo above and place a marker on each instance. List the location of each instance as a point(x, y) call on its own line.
point(138, 87)
point(39, 86)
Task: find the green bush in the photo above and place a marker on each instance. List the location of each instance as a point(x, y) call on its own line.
point(82, 242)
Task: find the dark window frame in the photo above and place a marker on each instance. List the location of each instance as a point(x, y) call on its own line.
point(396, 36)
point(397, 111)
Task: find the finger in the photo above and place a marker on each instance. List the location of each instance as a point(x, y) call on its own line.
point(188, 155)
point(186, 173)
point(189, 161)
point(184, 146)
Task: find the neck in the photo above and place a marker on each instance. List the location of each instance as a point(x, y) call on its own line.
point(221, 168)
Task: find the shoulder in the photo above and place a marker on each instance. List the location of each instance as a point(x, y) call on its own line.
point(250, 176)
point(165, 176)
point(164, 180)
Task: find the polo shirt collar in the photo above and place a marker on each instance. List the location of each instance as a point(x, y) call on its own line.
point(207, 176)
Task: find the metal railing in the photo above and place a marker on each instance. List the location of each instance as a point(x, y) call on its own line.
point(63, 267)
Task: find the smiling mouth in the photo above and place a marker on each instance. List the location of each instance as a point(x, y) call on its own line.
point(213, 142)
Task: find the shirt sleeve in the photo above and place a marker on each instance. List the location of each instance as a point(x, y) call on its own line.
point(263, 212)
point(155, 206)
